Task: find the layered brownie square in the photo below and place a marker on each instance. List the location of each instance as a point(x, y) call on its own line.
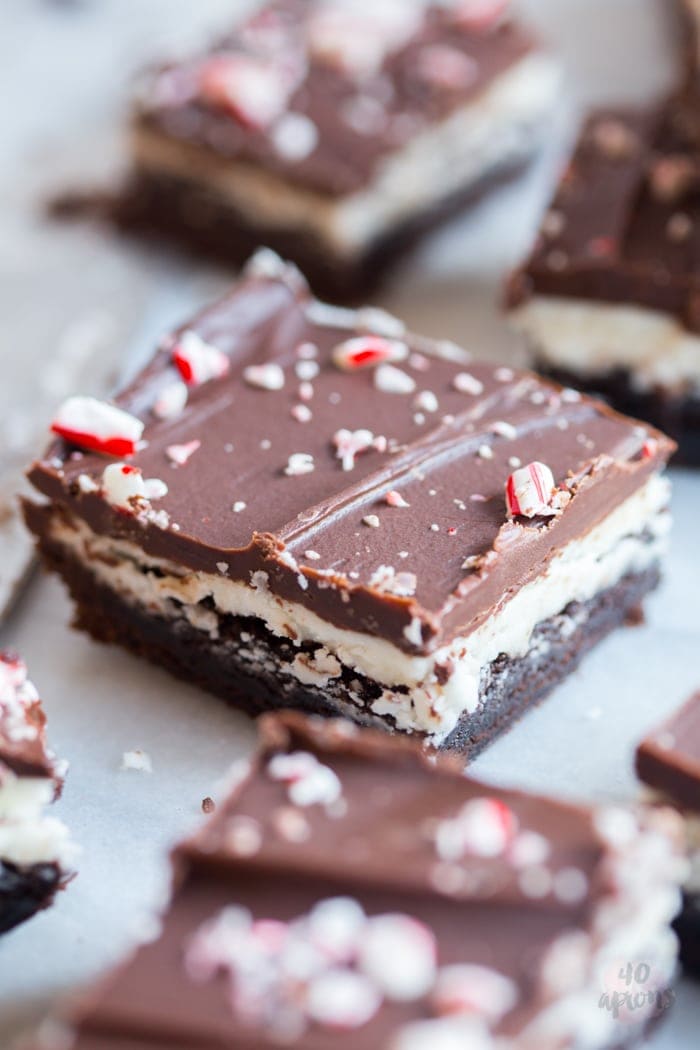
point(668, 760)
point(298, 505)
point(348, 893)
point(609, 300)
point(35, 850)
point(336, 132)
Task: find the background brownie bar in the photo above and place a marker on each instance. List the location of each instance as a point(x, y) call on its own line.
point(34, 850)
point(610, 297)
point(668, 760)
point(349, 893)
point(337, 132)
point(324, 524)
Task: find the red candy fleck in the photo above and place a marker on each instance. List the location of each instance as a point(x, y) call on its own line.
point(530, 491)
point(366, 351)
point(251, 90)
point(198, 361)
point(650, 448)
point(97, 426)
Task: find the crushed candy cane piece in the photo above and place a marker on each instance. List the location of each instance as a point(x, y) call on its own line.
point(367, 351)
point(179, 454)
point(484, 827)
point(139, 761)
point(391, 380)
point(466, 383)
point(299, 463)
point(251, 89)
point(398, 953)
point(268, 376)
point(349, 443)
point(530, 492)
point(472, 989)
point(395, 499)
point(308, 781)
point(97, 426)
point(198, 361)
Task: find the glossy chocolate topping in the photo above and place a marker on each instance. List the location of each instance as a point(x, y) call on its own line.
point(359, 81)
point(624, 226)
point(669, 758)
point(339, 541)
point(23, 748)
point(397, 836)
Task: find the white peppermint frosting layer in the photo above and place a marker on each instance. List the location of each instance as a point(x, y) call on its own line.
point(500, 127)
point(630, 539)
point(595, 339)
point(26, 835)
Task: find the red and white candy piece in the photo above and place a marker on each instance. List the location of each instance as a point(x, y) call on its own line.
point(197, 360)
point(308, 781)
point(530, 492)
point(471, 989)
point(179, 454)
point(484, 827)
point(250, 89)
point(367, 351)
point(399, 955)
point(97, 426)
point(479, 15)
point(341, 999)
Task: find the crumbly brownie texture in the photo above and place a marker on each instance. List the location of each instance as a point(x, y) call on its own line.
point(34, 849)
point(610, 295)
point(668, 761)
point(336, 133)
point(348, 892)
point(351, 516)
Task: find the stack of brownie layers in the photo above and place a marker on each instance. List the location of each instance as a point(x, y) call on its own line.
point(302, 506)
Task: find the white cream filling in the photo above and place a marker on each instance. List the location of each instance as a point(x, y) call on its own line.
point(613, 548)
point(595, 339)
point(501, 126)
point(26, 835)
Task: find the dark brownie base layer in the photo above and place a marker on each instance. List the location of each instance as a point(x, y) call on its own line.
point(178, 210)
point(25, 891)
point(245, 664)
point(679, 417)
point(687, 926)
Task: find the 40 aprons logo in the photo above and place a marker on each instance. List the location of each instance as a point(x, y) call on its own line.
point(632, 992)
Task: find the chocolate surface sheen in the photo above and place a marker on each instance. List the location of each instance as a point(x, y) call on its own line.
point(328, 539)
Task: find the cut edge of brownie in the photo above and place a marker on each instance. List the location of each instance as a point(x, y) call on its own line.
point(509, 687)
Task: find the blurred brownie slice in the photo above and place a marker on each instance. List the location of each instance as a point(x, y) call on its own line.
point(349, 893)
point(337, 132)
point(35, 851)
point(668, 760)
point(609, 299)
point(302, 506)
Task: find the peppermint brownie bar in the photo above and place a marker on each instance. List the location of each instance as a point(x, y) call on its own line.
point(348, 893)
point(668, 760)
point(337, 132)
point(302, 506)
point(35, 852)
point(609, 300)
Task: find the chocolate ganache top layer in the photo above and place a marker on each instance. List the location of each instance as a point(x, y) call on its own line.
point(373, 496)
point(320, 92)
point(669, 758)
point(624, 225)
point(397, 870)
